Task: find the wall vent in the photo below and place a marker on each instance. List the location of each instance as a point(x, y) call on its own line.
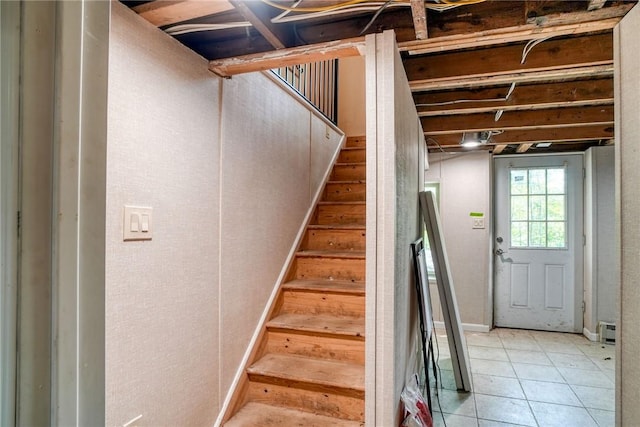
point(607, 332)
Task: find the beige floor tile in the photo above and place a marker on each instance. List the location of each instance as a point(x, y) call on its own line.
point(596, 397)
point(497, 386)
point(452, 402)
point(603, 418)
point(526, 371)
point(607, 362)
point(525, 356)
point(484, 340)
point(492, 367)
point(550, 415)
point(487, 353)
point(521, 343)
point(454, 420)
point(542, 391)
point(514, 411)
point(576, 361)
point(560, 347)
point(586, 378)
point(597, 349)
point(489, 423)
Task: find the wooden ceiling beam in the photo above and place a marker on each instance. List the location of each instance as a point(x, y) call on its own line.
point(288, 57)
point(419, 13)
point(554, 74)
point(506, 35)
point(279, 36)
point(512, 120)
point(161, 13)
point(524, 97)
point(554, 53)
point(497, 149)
point(553, 135)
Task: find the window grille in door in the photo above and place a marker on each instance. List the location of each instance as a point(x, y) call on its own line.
point(538, 200)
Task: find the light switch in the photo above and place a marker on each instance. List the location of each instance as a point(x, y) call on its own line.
point(138, 223)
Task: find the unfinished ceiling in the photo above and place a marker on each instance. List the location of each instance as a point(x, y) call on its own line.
point(537, 74)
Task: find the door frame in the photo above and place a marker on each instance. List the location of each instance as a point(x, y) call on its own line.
point(578, 238)
point(9, 144)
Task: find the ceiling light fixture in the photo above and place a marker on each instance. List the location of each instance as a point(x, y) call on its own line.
point(475, 139)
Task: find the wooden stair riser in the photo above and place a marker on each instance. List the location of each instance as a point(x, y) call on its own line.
point(356, 141)
point(352, 155)
point(349, 172)
point(341, 214)
point(345, 192)
point(317, 346)
point(322, 402)
point(322, 303)
point(334, 240)
point(310, 268)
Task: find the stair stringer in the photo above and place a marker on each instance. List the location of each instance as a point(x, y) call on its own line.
point(237, 395)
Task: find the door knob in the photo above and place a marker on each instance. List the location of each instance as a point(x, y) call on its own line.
point(499, 251)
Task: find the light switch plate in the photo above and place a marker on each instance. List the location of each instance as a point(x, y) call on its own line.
point(138, 223)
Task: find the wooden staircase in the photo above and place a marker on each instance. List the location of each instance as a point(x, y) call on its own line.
point(308, 367)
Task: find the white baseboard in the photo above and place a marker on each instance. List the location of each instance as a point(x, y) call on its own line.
point(591, 336)
point(470, 327)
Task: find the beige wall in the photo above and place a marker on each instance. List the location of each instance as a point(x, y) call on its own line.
point(231, 169)
point(395, 165)
point(465, 186)
point(351, 95)
point(627, 128)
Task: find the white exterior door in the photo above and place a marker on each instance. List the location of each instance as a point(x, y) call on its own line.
point(538, 243)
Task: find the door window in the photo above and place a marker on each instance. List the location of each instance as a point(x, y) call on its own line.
point(538, 199)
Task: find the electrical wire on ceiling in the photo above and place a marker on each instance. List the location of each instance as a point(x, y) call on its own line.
point(307, 13)
point(462, 101)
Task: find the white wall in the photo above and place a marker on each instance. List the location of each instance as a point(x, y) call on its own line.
point(601, 282)
point(351, 95)
point(465, 187)
point(395, 165)
point(627, 132)
point(231, 168)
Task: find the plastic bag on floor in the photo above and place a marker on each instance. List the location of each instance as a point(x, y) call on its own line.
point(416, 409)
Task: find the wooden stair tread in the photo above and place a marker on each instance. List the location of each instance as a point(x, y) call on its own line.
point(318, 373)
point(320, 324)
point(332, 254)
point(260, 415)
point(351, 163)
point(336, 227)
point(328, 286)
point(357, 202)
point(348, 181)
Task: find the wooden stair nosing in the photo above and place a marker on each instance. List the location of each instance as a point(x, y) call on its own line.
point(324, 325)
point(336, 227)
point(349, 181)
point(310, 374)
point(332, 254)
point(262, 415)
point(327, 286)
point(353, 203)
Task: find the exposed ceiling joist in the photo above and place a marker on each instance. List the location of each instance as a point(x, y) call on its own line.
point(523, 148)
point(161, 13)
point(288, 57)
point(499, 148)
point(603, 69)
point(554, 53)
point(257, 13)
point(419, 13)
point(524, 97)
point(553, 135)
point(503, 36)
point(531, 119)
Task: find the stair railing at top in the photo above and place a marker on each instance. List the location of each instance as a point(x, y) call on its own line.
point(316, 82)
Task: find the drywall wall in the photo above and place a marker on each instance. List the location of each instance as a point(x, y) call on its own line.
point(395, 165)
point(351, 95)
point(274, 156)
point(231, 169)
point(465, 186)
point(627, 156)
point(161, 295)
point(601, 284)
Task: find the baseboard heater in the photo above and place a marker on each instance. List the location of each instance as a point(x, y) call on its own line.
point(607, 332)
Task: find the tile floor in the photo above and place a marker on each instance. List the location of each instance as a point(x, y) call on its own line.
point(528, 378)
